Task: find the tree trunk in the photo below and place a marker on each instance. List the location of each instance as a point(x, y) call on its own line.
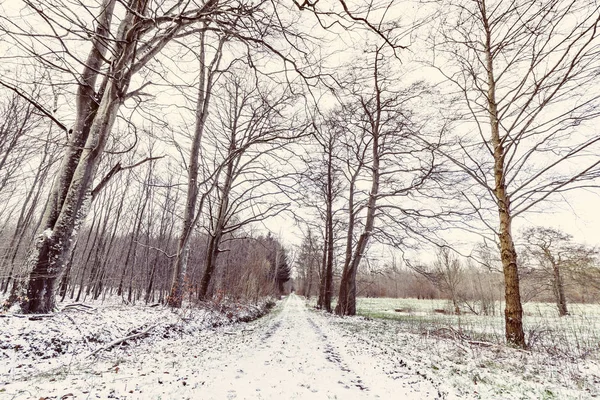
point(513, 312)
point(66, 279)
point(347, 295)
point(190, 213)
point(96, 115)
point(322, 273)
point(559, 291)
point(348, 282)
point(210, 265)
point(132, 247)
point(310, 268)
point(215, 239)
point(29, 204)
point(327, 277)
point(53, 246)
point(329, 269)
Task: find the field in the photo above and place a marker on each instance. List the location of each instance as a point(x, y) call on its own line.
point(576, 335)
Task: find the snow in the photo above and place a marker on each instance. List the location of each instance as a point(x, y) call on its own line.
point(467, 356)
point(293, 352)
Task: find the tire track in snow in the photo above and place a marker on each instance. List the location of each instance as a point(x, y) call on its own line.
point(301, 355)
point(333, 356)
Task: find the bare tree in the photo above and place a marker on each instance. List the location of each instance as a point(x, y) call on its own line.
point(524, 73)
point(551, 254)
point(253, 122)
point(25, 221)
point(122, 41)
point(330, 191)
point(383, 155)
point(447, 274)
point(139, 34)
point(18, 120)
point(307, 264)
point(208, 73)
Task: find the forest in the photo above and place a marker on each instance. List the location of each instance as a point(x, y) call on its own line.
point(183, 152)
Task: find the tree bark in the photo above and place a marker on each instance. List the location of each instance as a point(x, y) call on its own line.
point(322, 273)
point(513, 312)
point(53, 246)
point(217, 234)
point(328, 289)
point(347, 295)
point(559, 290)
point(96, 115)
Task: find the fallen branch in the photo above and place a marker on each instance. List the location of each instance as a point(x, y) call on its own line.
point(39, 317)
point(31, 317)
point(79, 307)
point(482, 344)
point(74, 305)
point(119, 341)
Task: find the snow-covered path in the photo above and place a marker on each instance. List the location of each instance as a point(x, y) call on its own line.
point(291, 354)
point(299, 356)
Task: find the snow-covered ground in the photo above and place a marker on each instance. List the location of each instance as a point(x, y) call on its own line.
point(292, 353)
point(574, 336)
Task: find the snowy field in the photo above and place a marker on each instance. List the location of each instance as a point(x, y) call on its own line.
point(294, 352)
point(576, 335)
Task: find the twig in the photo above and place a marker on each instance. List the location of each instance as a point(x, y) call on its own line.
point(78, 305)
point(33, 317)
point(119, 341)
point(155, 248)
point(115, 170)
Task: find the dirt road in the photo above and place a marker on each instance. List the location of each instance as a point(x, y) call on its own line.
point(291, 354)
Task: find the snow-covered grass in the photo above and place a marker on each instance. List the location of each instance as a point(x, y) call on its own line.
point(474, 370)
point(289, 354)
point(465, 355)
point(576, 335)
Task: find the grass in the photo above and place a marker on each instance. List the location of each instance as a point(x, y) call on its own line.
point(577, 335)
